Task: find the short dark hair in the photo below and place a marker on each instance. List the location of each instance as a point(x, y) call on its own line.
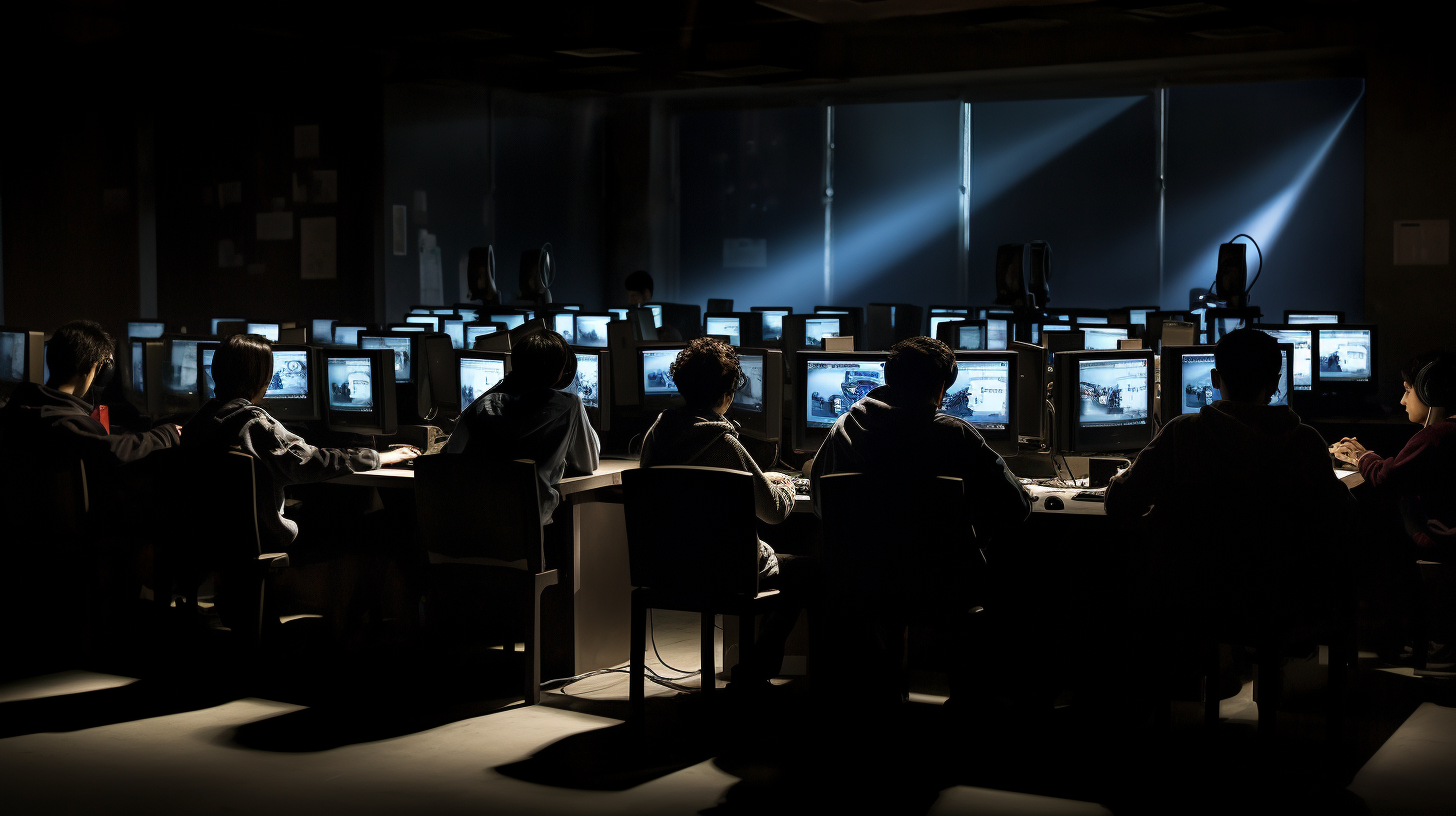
point(920, 366)
point(1440, 390)
point(705, 371)
point(639, 281)
point(242, 366)
point(1247, 360)
point(543, 360)
point(76, 347)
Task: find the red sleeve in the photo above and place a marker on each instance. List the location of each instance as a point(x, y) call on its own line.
point(1404, 473)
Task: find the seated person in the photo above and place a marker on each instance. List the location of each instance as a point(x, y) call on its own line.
point(528, 416)
point(1246, 493)
point(707, 375)
point(898, 429)
point(241, 370)
point(53, 421)
point(639, 293)
point(1421, 479)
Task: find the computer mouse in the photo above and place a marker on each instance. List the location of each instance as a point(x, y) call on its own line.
point(1054, 503)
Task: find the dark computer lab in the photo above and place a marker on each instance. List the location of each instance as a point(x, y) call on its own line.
point(728, 407)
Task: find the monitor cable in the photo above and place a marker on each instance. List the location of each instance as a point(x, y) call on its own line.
point(652, 674)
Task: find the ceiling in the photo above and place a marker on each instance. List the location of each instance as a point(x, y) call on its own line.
point(594, 48)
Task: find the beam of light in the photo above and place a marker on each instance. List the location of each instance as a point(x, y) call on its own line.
point(1003, 169)
point(1267, 223)
point(871, 244)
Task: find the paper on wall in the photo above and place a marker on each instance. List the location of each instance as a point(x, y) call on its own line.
point(319, 248)
point(275, 226)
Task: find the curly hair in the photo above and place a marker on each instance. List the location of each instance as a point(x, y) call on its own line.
point(920, 366)
point(706, 371)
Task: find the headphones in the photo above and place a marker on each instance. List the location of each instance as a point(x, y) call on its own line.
point(1435, 384)
point(104, 374)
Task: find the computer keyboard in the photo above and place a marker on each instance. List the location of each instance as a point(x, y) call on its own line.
point(801, 486)
point(1088, 496)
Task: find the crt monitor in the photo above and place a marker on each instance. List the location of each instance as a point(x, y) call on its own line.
point(407, 327)
point(726, 324)
point(205, 384)
point(621, 314)
point(590, 328)
point(292, 393)
point(1090, 320)
point(265, 330)
point(479, 329)
point(511, 319)
point(218, 321)
point(1345, 357)
point(819, 326)
point(936, 320)
point(656, 310)
point(323, 330)
point(593, 384)
point(348, 334)
point(146, 328)
point(773, 321)
point(654, 377)
point(984, 395)
point(962, 334)
point(1187, 381)
point(468, 311)
point(1301, 338)
point(1031, 377)
point(430, 321)
point(826, 385)
point(179, 389)
point(1104, 401)
point(562, 322)
point(454, 327)
point(1102, 338)
point(476, 372)
point(443, 310)
point(997, 332)
point(360, 391)
point(146, 366)
point(418, 309)
point(22, 357)
point(758, 405)
point(1304, 316)
point(401, 344)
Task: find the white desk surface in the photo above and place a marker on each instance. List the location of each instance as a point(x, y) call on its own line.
point(608, 473)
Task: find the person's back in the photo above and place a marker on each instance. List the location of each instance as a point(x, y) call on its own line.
point(897, 430)
point(527, 416)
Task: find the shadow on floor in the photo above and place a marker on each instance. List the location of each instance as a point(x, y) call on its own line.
point(141, 700)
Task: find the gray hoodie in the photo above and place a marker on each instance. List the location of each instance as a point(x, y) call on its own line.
point(282, 458)
point(681, 436)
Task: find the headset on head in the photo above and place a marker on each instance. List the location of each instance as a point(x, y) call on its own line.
point(1435, 384)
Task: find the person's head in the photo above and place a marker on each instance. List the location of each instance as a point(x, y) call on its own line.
point(76, 352)
point(1246, 366)
point(242, 366)
point(543, 360)
point(1429, 384)
point(639, 288)
point(707, 374)
point(920, 369)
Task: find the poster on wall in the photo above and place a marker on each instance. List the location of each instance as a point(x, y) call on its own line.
point(275, 226)
point(319, 247)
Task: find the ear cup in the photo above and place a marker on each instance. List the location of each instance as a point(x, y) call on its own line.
point(1435, 384)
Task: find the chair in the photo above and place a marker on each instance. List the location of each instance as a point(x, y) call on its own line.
point(478, 509)
point(898, 552)
point(692, 544)
point(216, 504)
point(47, 508)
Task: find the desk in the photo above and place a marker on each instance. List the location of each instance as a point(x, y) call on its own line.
point(596, 614)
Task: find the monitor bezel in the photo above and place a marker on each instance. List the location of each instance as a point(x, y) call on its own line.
point(1070, 439)
point(766, 425)
point(576, 330)
point(655, 402)
point(383, 419)
point(600, 417)
point(1334, 387)
point(304, 410)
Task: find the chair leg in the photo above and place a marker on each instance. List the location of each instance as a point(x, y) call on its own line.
point(749, 655)
point(1268, 685)
point(1210, 684)
point(637, 694)
point(532, 679)
point(708, 656)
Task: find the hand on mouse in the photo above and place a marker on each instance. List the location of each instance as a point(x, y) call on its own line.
point(396, 455)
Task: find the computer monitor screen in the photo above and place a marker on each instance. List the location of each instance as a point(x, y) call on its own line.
point(151, 329)
point(996, 333)
point(182, 369)
point(751, 396)
point(1344, 354)
point(209, 386)
point(1306, 316)
point(430, 320)
point(1195, 385)
point(564, 324)
point(1303, 342)
point(955, 310)
point(408, 327)
point(511, 319)
point(442, 311)
point(591, 329)
point(571, 307)
point(455, 328)
point(138, 367)
point(1097, 337)
point(290, 375)
point(937, 319)
point(981, 394)
point(1139, 317)
point(468, 314)
point(401, 348)
point(773, 322)
point(832, 386)
point(421, 310)
point(588, 382)
point(829, 310)
point(818, 328)
point(620, 313)
point(12, 356)
point(656, 315)
point(477, 376)
point(1056, 327)
point(351, 384)
point(323, 331)
point(725, 326)
point(656, 377)
point(1092, 321)
point(267, 330)
point(971, 337)
point(347, 335)
point(1113, 400)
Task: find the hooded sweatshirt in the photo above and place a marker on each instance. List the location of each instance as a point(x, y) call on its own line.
point(542, 424)
point(1422, 478)
point(282, 457)
point(42, 422)
point(885, 433)
point(682, 436)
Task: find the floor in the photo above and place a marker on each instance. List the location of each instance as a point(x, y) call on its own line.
point(90, 742)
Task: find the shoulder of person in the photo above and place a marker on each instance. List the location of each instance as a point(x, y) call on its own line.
point(956, 425)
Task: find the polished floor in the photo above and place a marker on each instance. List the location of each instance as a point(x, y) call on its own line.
point(349, 742)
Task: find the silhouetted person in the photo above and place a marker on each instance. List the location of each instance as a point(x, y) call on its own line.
point(707, 374)
point(527, 416)
point(639, 288)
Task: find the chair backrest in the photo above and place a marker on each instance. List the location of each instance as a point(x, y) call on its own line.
point(904, 541)
point(213, 497)
point(691, 530)
point(48, 499)
point(468, 507)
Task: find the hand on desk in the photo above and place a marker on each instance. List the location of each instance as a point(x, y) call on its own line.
point(394, 456)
